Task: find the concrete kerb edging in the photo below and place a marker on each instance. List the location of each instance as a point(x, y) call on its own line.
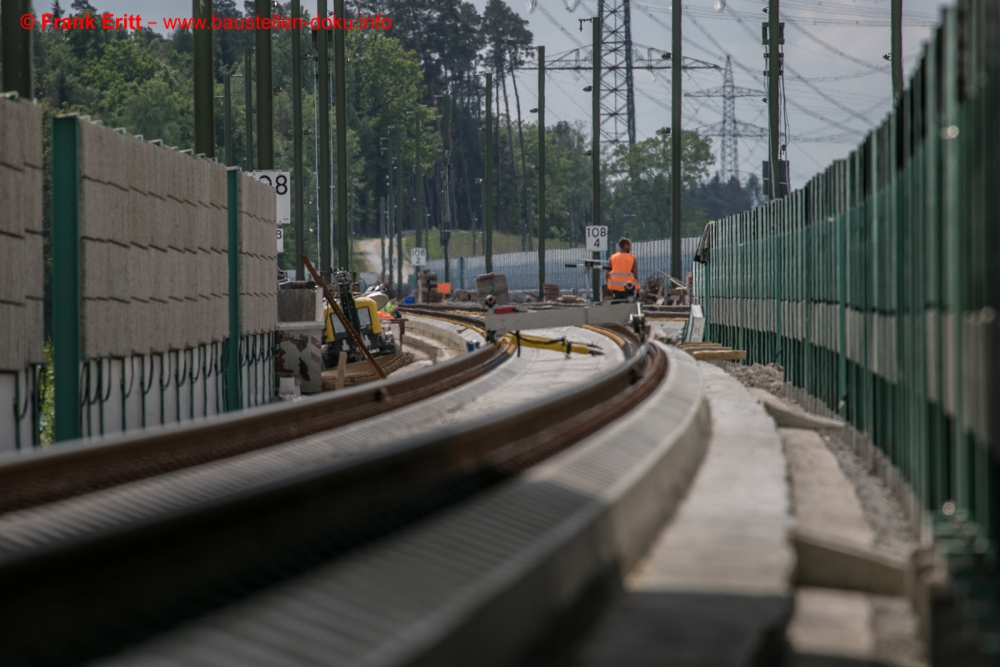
point(512, 607)
point(449, 339)
point(924, 570)
point(832, 563)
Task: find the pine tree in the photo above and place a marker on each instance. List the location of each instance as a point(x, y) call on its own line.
point(83, 7)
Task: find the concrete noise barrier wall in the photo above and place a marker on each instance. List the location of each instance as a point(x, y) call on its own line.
point(258, 257)
point(153, 246)
point(21, 268)
point(145, 238)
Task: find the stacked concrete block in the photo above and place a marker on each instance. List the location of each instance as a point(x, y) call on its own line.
point(210, 262)
point(258, 257)
point(153, 242)
point(139, 228)
point(21, 262)
point(218, 285)
point(175, 267)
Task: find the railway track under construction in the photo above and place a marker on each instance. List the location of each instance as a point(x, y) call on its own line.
point(114, 568)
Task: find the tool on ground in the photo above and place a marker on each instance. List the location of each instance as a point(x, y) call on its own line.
point(343, 320)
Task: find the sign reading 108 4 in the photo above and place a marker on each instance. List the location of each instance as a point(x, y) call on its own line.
point(597, 238)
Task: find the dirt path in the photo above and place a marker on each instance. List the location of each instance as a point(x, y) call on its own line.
point(372, 251)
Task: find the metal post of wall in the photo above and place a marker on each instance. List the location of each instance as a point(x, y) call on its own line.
point(17, 49)
point(446, 222)
point(323, 174)
point(390, 204)
point(10, 37)
point(227, 116)
point(265, 88)
point(381, 234)
point(418, 180)
point(896, 54)
point(676, 175)
point(204, 81)
point(298, 175)
point(26, 57)
point(340, 81)
point(596, 143)
point(773, 85)
point(399, 217)
point(248, 103)
point(488, 185)
point(234, 389)
point(542, 231)
point(66, 307)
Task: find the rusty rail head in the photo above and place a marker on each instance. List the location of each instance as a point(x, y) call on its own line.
point(38, 476)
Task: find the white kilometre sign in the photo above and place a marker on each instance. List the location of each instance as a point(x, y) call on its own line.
point(281, 240)
point(418, 256)
point(597, 238)
point(281, 181)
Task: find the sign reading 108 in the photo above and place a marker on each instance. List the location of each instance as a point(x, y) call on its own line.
point(597, 238)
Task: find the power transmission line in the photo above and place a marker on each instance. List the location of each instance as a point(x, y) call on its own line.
point(833, 49)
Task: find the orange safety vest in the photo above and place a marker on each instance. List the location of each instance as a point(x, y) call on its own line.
point(622, 266)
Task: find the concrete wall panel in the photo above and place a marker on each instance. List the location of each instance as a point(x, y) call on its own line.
point(12, 139)
point(13, 193)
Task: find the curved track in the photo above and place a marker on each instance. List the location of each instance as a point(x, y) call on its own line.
point(117, 551)
point(44, 476)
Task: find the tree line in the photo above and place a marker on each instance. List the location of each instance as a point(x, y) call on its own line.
point(142, 81)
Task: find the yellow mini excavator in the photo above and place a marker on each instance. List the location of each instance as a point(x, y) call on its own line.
point(362, 312)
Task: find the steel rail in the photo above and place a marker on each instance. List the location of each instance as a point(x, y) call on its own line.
point(461, 316)
point(127, 583)
point(69, 470)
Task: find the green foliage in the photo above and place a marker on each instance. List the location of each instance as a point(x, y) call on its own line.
point(143, 81)
point(462, 244)
point(47, 399)
point(640, 184)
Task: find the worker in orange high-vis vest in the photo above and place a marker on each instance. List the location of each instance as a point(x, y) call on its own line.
point(624, 270)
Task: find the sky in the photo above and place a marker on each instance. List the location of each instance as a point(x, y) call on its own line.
point(838, 85)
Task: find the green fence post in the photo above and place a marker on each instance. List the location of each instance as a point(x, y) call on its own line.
point(66, 308)
point(234, 389)
point(542, 230)
point(777, 223)
point(951, 188)
point(841, 222)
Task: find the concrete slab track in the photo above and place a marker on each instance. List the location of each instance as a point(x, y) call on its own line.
point(715, 590)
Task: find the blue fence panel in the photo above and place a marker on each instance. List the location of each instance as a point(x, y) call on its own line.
point(521, 268)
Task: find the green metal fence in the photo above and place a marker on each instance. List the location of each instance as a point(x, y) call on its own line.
point(877, 285)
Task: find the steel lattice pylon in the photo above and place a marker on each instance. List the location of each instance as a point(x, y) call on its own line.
point(730, 146)
point(729, 130)
point(618, 96)
point(620, 57)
